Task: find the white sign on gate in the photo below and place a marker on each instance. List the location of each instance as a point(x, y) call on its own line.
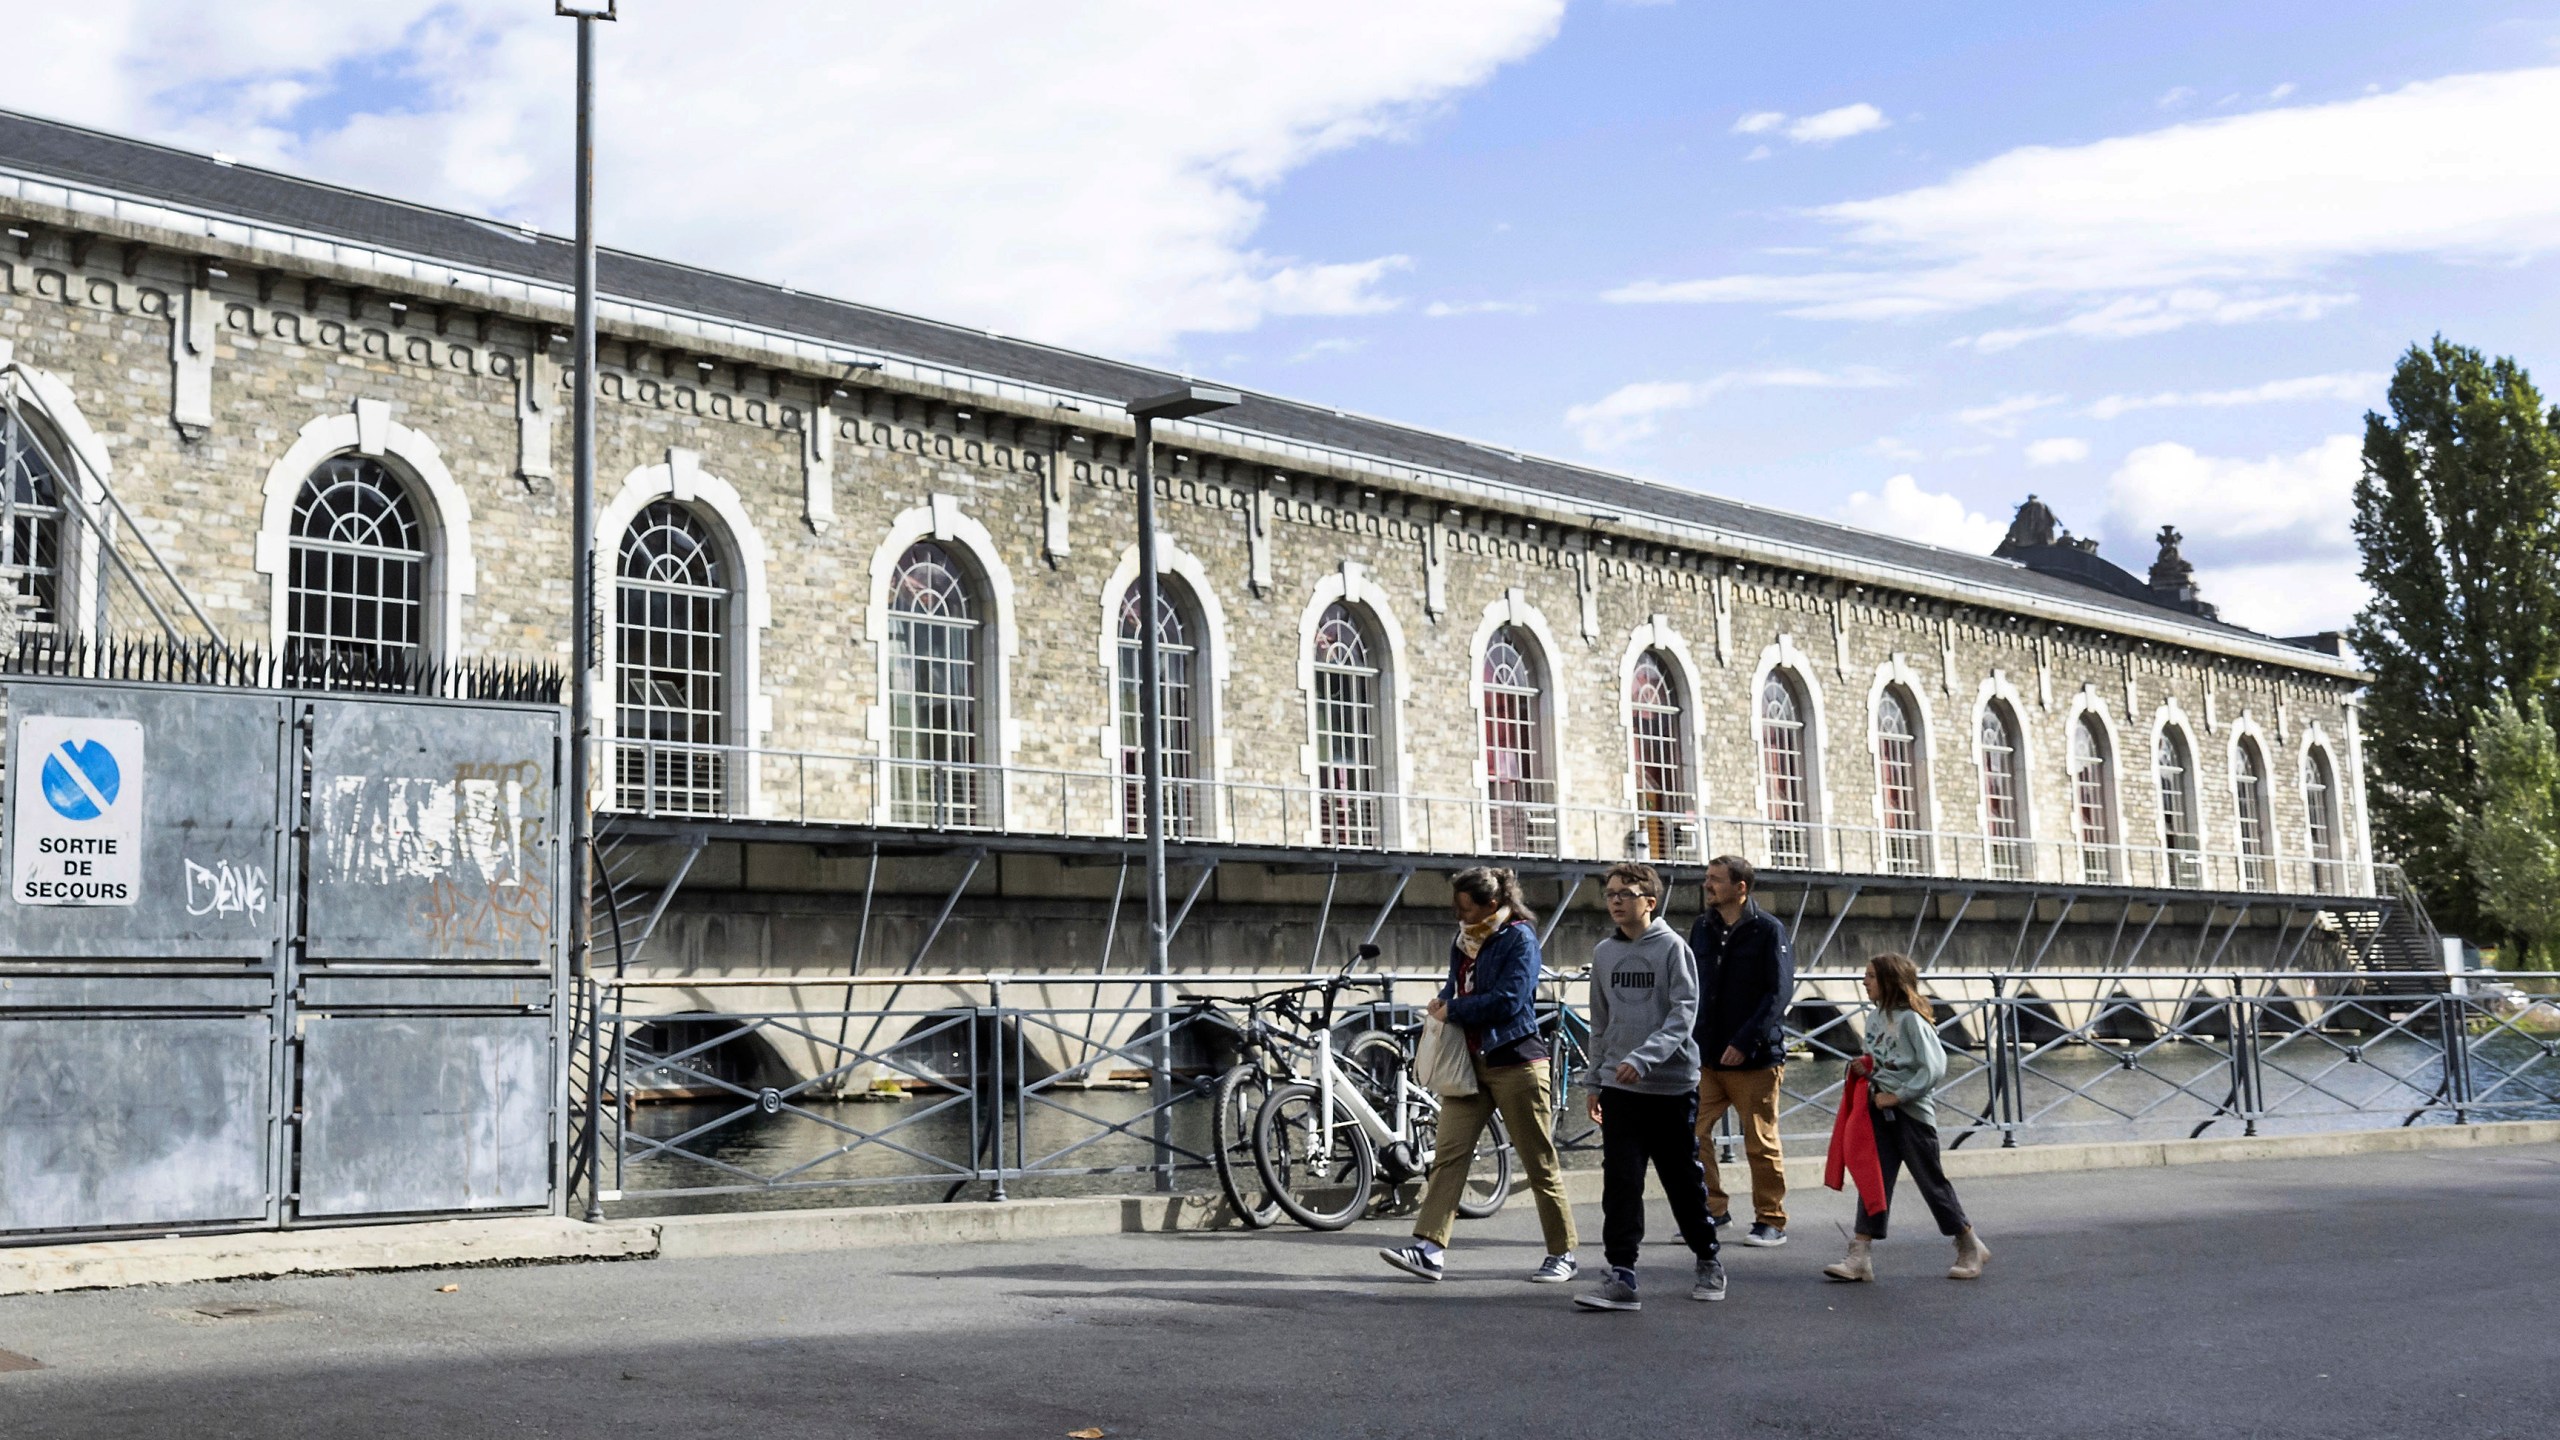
point(76, 827)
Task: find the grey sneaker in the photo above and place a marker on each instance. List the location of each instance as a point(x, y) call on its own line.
point(1618, 1292)
point(1710, 1284)
point(1766, 1236)
point(1556, 1269)
point(1414, 1260)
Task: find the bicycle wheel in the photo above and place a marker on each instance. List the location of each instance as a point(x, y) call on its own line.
point(1488, 1172)
point(1322, 1183)
point(1237, 1100)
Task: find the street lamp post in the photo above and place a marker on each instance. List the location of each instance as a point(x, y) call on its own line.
point(582, 542)
point(1179, 404)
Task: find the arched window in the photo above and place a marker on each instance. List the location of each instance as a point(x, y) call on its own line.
point(934, 708)
point(671, 658)
point(1179, 720)
point(1665, 802)
point(2004, 812)
point(1518, 783)
point(33, 562)
point(1900, 774)
point(1786, 777)
point(2319, 807)
point(356, 582)
point(2093, 809)
point(2257, 829)
point(1348, 737)
point(2179, 834)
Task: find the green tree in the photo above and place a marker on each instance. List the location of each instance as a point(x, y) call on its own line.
point(2513, 841)
point(2458, 520)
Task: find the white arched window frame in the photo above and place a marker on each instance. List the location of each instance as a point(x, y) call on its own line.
point(715, 505)
point(1793, 800)
point(1902, 748)
point(2173, 775)
point(443, 511)
point(1184, 580)
point(673, 648)
point(2090, 780)
point(1516, 774)
point(1658, 712)
point(2324, 824)
point(1349, 705)
point(1183, 718)
point(52, 461)
point(2252, 808)
point(937, 721)
point(944, 523)
point(1355, 593)
point(2000, 752)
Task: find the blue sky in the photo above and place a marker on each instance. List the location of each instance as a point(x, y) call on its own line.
point(1898, 264)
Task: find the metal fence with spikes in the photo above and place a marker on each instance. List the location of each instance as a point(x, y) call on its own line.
point(216, 663)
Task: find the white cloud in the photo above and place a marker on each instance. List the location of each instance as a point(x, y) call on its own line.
point(1906, 511)
point(1759, 122)
point(2281, 91)
point(993, 162)
point(2058, 450)
point(2221, 220)
point(2175, 96)
point(1759, 152)
point(2270, 538)
point(2002, 417)
point(1837, 124)
point(1633, 412)
point(2349, 386)
point(1444, 309)
point(1336, 345)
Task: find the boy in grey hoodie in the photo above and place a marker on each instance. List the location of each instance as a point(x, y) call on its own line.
point(1644, 1087)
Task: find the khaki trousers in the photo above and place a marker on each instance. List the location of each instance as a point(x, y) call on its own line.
point(1521, 1094)
point(1752, 1095)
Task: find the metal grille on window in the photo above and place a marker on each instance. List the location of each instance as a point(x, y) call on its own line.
point(1666, 809)
point(671, 661)
point(1784, 774)
point(2177, 808)
point(1521, 816)
point(33, 563)
point(2004, 815)
point(2249, 796)
point(356, 579)
point(1898, 776)
point(1178, 720)
point(933, 692)
point(2090, 809)
point(2316, 804)
point(1348, 804)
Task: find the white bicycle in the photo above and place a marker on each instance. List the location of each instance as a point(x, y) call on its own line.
point(1322, 1143)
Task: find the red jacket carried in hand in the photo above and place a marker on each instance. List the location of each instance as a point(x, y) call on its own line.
point(1853, 1148)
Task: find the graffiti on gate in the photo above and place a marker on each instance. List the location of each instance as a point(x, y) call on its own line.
point(223, 888)
point(478, 839)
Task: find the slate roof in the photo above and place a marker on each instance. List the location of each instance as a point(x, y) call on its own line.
point(35, 146)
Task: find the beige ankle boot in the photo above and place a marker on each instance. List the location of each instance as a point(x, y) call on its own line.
point(1970, 1253)
point(1859, 1264)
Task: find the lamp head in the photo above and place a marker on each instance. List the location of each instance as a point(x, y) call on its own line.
point(585, 9)
point(1184, 403)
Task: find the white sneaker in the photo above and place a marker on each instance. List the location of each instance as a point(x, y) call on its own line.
point(1556, 1269)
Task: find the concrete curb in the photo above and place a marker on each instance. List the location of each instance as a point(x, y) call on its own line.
point(438, 1244)
point(103, 1264)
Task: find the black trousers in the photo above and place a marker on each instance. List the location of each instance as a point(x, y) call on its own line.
point(1660, 1131)
point(1904, 1143)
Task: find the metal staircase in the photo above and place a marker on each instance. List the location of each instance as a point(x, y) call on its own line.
point(2396, 941)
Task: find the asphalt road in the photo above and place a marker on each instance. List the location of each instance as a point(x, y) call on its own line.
point(2400, 1295)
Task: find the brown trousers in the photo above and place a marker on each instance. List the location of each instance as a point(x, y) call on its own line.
point(1520, 1092)
point(1753, 1097)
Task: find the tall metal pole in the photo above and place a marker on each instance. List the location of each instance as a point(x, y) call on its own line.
point(1151, 784)
point(582, 541)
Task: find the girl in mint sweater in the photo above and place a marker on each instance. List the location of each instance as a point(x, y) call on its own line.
point(1904, 1064)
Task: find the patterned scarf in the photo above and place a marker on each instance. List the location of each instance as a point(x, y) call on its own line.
point(1471, 938)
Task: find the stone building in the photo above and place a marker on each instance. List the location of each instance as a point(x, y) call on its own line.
point(868, 586)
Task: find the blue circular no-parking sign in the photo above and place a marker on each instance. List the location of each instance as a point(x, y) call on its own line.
point(81, 779)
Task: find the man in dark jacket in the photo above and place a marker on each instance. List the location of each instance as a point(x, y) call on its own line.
point(1746, 975)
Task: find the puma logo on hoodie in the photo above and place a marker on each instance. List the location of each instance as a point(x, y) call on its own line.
point(1644, 1010)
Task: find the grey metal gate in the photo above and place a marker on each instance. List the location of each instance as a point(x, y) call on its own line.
point(270, 958)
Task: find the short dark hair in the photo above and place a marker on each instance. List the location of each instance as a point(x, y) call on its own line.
point(1740, 871)
point(1643, 879)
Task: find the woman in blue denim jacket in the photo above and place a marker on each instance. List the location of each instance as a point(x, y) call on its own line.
point(1492, 994)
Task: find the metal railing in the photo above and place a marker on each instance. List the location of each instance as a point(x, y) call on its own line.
point(804, 787)
point(703, 1093)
